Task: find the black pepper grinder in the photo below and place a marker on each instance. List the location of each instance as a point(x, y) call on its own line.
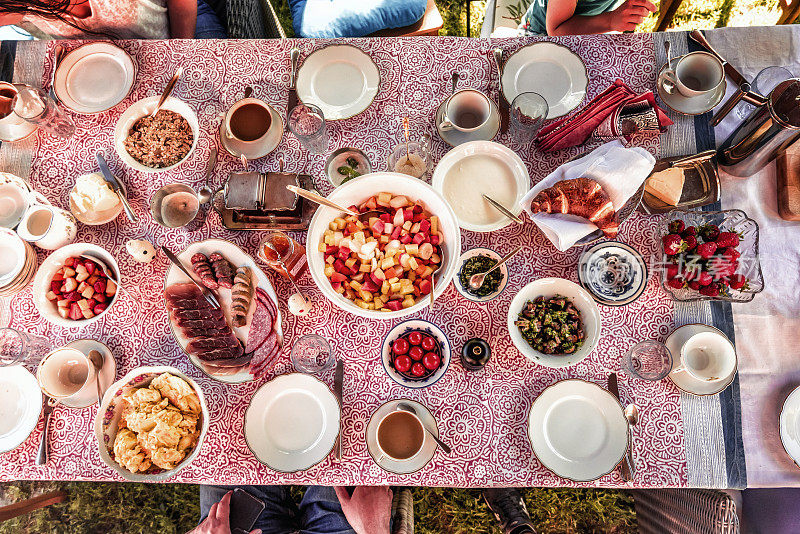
point(475, 354)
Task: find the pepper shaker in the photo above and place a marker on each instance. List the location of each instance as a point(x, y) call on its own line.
point(475, 354)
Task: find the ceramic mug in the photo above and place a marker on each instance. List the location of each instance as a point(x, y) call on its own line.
point(695, 74)
point(249, 127)
point(467, 110)
point(48, 227)
point(708, 357)
point(66, 373)
point(400, 436)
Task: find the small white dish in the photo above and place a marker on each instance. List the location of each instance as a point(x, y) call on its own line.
point(292, 422)
point(471, 253)
point(13, 255)
point(685, 381)
point(107, 374)
point(238, 258)
point(549, 69)
point(696, 105)
point(144, 107)
point(479, 160)
point(613, 272)
point(455, 137)
point(419, 460)
point(578, 430)
point(271, 140)
point(583, 301)
point(94, 77)
point(20, 406)
point(430, 329)
point(789, 425)
point(341, 80)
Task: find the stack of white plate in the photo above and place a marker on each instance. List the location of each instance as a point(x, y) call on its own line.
point(17, 263)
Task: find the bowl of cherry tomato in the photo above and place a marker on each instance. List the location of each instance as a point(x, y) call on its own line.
point(415, 353)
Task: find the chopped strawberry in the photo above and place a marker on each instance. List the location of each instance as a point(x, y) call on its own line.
point(727, 239)
point(706, 250)
point(673, 244)
point(75, 312)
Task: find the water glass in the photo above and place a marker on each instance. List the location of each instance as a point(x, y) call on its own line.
point(307, 123)
point(649, 360)
point(312, 354)
point(528, 113)
point(21, 347)
point(36, 107)
point(765, 81)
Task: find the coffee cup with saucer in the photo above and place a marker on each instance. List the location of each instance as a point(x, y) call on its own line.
point(467, 115)
point(106, 376)
point(390, 460)
point(67, 375)
point(251, 128)
point(706, 83)
point(704, 359)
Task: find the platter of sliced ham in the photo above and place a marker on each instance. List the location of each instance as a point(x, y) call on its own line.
point(240, 340)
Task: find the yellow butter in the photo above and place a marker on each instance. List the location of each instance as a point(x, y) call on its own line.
point(666, 185)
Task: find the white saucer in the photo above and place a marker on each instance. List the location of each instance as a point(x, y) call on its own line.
point(685, 381)
point(551, 70)
point(429, 446)
point(341, 80)
point(696, 105)
point(20, 406)
point(107, 375)
point(292, 422)
point(578, 430)
point(270, 143)
point(94, 77)
point(456, 137)
point(789, 424)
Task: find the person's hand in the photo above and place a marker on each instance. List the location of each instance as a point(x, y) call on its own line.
point(218, 520)
point(369, 510)
point(630, 14)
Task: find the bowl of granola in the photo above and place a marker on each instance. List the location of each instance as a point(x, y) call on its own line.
point(159, 143)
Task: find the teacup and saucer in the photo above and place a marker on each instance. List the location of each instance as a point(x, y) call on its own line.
point(396, 439)
point(467, 115)
point(692, 84)
point(704, 359)
point(251, 128)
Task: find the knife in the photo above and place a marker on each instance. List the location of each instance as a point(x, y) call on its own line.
point(625, 467)
point(501, 99)
point(293, 100)
point(115, 185)
point(207, 293)
point(44, 444)
point(338, 379)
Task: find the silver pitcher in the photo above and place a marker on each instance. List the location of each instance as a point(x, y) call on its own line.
point(774, 125)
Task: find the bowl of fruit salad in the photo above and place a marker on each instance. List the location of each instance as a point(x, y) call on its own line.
point(385, 264)
point(415, 353)
point(71, 289)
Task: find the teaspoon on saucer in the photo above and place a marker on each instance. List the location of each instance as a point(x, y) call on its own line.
point(404, 407)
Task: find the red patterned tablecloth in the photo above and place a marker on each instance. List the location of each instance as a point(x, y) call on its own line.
point(482, 415)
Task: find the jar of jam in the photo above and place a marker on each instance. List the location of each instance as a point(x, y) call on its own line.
point(283, 254)
point(475, 354)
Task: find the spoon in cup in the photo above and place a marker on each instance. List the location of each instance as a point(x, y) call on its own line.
point(476, 280)
point(405, 407)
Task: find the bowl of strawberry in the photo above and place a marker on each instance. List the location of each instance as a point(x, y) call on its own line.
point(415, 353)
point(710, 256)
point(72, 288)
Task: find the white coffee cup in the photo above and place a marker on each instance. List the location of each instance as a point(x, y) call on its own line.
point(250, 145)
point(406, 426)
point(708, 357)
point(66, 373)
point(466, 111)
point(695, 74)
point(48, 226)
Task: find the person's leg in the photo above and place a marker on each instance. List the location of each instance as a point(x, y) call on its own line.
point(509, 509)
point(208, 25)
point(280, 515)
point(321, 513)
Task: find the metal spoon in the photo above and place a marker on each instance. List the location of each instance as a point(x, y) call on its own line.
point(44, 443)
point(502, 209)
point(269, 245)
point(103, 267)
point(632, 415)
point(477, 279)
point(403, 407)
point(454, 80)
point(205, 193)
point(168, 90)
point(669, 87)
point(97, 360)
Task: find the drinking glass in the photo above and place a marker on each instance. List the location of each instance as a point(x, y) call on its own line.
point(312, 354)
point(20, 347)
point(649, 360)
point(528, 113)
point(307, 123)
point(764, 82)
point(34, 106)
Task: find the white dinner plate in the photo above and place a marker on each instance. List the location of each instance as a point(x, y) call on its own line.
point(578, 430)
point(238, 258)
point(341, 80)
point(292, 422)
point(685, 381)
point(421, 459)
point(107, 374)
point(789, 423)
point(696, 105)
point(549, 69)
point(20, 406)
point(495, 157)
point(94, 77)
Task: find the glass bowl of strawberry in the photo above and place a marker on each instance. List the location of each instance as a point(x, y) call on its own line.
point(415, 353)
point(710, 255)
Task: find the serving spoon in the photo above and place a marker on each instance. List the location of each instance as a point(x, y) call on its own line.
point(168, 90)
point(319, 199)
point(476, 280)
point(502, 209)
point(404, 407)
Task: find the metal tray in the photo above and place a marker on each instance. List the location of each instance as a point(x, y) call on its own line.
point(700, 188)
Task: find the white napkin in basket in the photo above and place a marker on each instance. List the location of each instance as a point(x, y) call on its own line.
point(621, 171)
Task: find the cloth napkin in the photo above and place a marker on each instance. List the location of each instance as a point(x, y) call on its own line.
point(621, 171)
point(617, 112)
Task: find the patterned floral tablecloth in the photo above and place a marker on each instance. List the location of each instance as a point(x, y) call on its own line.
point(482, 415)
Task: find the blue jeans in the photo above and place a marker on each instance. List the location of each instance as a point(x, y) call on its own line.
point(208, 23)
point(318, 513)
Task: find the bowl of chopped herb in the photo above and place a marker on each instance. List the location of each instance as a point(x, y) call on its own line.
point(554, 322)
point(479, 260)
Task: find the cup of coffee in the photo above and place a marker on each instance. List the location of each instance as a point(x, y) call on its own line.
point(695, 74)
point(246, 127)
point(400, 436)
point(708, 357)
point(65, 373)
point(466, 111)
